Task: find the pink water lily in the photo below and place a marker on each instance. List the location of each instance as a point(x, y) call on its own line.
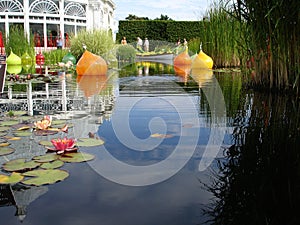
point(44, 124)
point(63, 145)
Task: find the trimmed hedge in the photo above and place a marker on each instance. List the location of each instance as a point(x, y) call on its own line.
point(163, 30)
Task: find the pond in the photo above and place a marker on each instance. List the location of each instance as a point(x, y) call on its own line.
point(178, 149)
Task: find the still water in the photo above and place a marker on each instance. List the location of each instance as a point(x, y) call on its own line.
point(178, 149)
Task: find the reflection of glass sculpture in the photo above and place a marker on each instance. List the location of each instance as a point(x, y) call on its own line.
point(20, 196)
point(14, 69)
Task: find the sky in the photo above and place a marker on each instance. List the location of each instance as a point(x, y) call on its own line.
point(186, 10)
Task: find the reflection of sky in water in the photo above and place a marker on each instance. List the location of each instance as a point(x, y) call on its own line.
point(86, 198)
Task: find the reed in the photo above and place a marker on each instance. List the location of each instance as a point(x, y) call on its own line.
point(18, 42)
point(273, 34)
point(221, 36)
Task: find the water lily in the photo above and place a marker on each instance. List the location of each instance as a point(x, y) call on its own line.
point(63, 145)
point(44, 124)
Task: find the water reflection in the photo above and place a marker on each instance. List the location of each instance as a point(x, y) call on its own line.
point(86, 197)
point(92, 84)
point(258, 180)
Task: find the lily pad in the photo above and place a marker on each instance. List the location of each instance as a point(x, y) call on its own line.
point(42, 177)
point(156, 135)
point(12, 179)
point(3, 134)
point(45, 158)
point(58, 122)
point(2, 129)
point(9, 123)
point(76, 157)
point(45, 132)
point(25, 118)
point(18, 113)
point(11, 138)
point(22, 133)
point(6, 151)
point(46, 143)
point(89, 142)
point(4, 144)
point(52, 165)
point(20, 165)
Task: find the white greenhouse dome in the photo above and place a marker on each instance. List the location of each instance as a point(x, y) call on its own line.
point(48, 20)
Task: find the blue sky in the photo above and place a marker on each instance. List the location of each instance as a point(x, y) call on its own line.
point(175, 9)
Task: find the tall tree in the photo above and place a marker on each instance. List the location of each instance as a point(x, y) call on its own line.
point(134, 17)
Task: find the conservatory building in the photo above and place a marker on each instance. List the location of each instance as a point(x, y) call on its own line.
point(50, 20)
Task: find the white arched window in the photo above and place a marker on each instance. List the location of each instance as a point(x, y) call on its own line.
point(44, 6)
point(74, 9)
point(10, 6)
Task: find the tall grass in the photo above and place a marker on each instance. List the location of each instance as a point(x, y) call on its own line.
point(221, 36)
point(273, 34)
point(99, 42)
point(18, 42)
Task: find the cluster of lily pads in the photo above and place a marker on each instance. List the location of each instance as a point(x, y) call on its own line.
point(42, 169)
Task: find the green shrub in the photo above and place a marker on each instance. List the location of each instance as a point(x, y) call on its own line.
point(55, 56)
point(125, 52)
point(99, 42)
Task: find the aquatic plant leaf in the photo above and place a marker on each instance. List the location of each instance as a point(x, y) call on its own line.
point(3, 134)
point(19, 165)
point(11, 138)
point(76, 157)
point(6, 151)
point(45, 158)
point(46, 143)
point(89, 142)
point(4, 129)
point(42, 177)
point(25, 118)
point(156, 135)
point(58, 122)
point(22, 133)
point(9, 123)
point(17, 113)
point(4, 144)
point(12, 179)
point(52, 165)
point(45, 132)
point(24, 127)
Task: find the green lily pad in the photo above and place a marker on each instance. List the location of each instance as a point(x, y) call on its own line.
point(22, 133)
point(9, 123)
point(18, 113)
point(46, 143)
point(58, 122)
point(23, 126)
point(3, 134)
point(45, 158)
point(89, 142)
point(6, 151)
point(41, 177)
point(25, 118)
point(52, 165)
point(45, 132)
point(76, 157)
point(19, 165)
point(2, 129)
point(12, 179)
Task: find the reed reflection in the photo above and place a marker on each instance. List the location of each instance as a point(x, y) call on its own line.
point(258, 182)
